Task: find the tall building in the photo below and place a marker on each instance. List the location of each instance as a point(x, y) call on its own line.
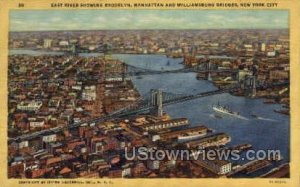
point(156, 100)
point(47, 43)
point(263, 47)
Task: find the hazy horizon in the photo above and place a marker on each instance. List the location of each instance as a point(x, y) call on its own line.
point(81, 20)
point(93, 30)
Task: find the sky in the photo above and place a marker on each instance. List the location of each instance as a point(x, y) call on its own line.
point(37, 20)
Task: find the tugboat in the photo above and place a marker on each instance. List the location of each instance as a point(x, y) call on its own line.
point(168, 63)
point(254, 115)
point(218, 116)
point(277, 158)
point(242, 147)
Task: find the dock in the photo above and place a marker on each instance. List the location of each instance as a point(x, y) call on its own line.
point(167, 135)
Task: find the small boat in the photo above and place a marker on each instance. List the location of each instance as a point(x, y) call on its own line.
point(269, 101)
point(218, 116)
point(242, 147)
point(285, 112)
point(254, 115)
point(277, 158)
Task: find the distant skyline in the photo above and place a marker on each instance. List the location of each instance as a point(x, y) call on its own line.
point(49, 20)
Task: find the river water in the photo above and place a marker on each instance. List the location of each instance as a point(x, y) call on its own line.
point(269, 132)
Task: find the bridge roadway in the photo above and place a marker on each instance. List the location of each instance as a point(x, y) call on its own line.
point(179, 71)
point(134, 71)
point(118, 114)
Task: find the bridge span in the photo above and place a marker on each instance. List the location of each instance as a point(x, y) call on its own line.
point(145, 106)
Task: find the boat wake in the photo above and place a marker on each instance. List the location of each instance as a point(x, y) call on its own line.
point(262, 118)
point(266, 119)
point(216, 116)
point(241, 117)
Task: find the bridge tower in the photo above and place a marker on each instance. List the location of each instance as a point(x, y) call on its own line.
point(124, 71)
point(250, 86)
point(208, 75)
point(73, 50)
point(156, 101)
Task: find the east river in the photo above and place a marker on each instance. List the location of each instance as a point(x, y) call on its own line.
point(270, 131)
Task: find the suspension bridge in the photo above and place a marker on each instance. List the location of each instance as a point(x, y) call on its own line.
point(152, 101)
point(129, 71)
point(136, 71)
